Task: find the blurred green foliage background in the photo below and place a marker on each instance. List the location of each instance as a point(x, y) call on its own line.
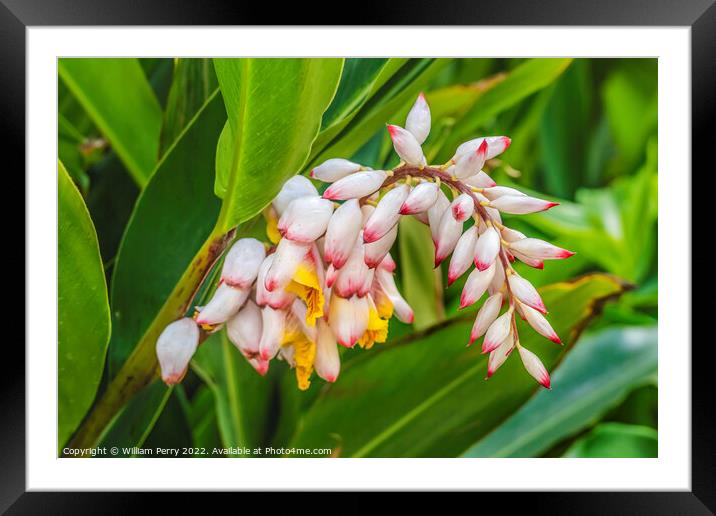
point(139, 136)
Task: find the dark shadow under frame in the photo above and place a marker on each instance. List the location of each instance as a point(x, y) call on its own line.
point(16, 15)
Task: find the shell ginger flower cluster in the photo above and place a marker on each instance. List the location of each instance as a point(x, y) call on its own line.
point(326, 278)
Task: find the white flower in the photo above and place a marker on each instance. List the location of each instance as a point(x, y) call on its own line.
point(475, 286)
point(348, 319)
point(499, 355)
point(497, 332)
point(403, 311)
point(334, 169)
point(479, 180)
point(486, 316)
point(496, 145)
point(245, 328)
point(342, 232)
point(175, 347)
point(226, 302)
point(405, 144)
point(242, 262)
point(306, 219)
point(463, 255)
point(462, 207)
point(418, 121)
point(525, 292)
point(327, 362)
point(539, 249)
point(420, 199)
point(521, 205)
point(283, 263)
point(386, 214)
point(487, 248)
point(534, 366)
point(272, 324)
point(470, 163)
point(295, 187)
point(354, 186)
point(376, 251)
point(449, 232)
point(540, 324)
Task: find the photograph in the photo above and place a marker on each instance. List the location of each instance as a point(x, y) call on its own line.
point(357, 257)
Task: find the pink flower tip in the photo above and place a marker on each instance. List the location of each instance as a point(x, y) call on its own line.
point(262, 369)
point(421, 95)
point(451, 279)
point(271, 284)
point(550, 205)
point(405, 210)
point(566, 254)
point(265, 355)
point(313, 173)
point(490, 372)
point(330, 379)
point(330, 195)
point(482, 149)
point(392, 129)
point(438, 261)
point(507, 141)
point(555, 338)
point(411, 318)
point(482, 266)
point(545, 382)
point(370, 236)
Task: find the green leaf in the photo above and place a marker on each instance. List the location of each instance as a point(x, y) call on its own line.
point(193, 82)
point(201, 411)
point(242, 397)
point(83, 310)
point(526, 79)
point(172, 218)
point(425, 394)
point(117, 96)
point(616, 440)
point(274, 108)
point(421, 282)
point(596, 376)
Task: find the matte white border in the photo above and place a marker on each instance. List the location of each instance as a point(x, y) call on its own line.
point(670, 471)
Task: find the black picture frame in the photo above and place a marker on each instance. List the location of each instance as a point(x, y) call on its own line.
point(699, 15)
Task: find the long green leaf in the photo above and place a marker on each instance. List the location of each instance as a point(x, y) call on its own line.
point(616, 440)
point(118, 98)
point(83, 310)
point(595, 376)
point(274, 109)
point(425, 394)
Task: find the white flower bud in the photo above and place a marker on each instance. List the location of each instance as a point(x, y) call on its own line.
point(486, 316)
point(532, 262)
point(406, 145)
point(479, 180)
point(306, 219)
point(511, 235)
point(386, 214)
point(277, 298)
point(388, 263)
point(525, 292)
point(327, 362)
point(402, 309)
point(376, 251)
point(540, 324)
point(435, 214)
point(418, 121)
point(498, 356)
point(244, 329)
point(348, 319)
point(463, 255)
point(354, 186)
point(496, 192)
point(226, 302)
point(470, 163)
point(462, 207)
point(352, 275)
point(497, 332)
point(534, 367)
point(487, 248)
point(273, 323)
point(498, 280)
point(297, 186)
point(539, 249)
point(284, 263)
point(334, 169)
point(448, 234)
point(242, 262)
point(495, 145)
point(475, 286)
point(342, 232)
point(421, 198)
point(521, 205)
point(175, 347)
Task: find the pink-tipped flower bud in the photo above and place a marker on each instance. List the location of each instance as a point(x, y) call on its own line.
point(260, 366)
point(297, 186)
point(418, 121)
point(406, 146)
point(334, 169)
point(511, 235)
point(525, 292)
point(496, 145)
point(284, 262)
point(388, 263)
point(306, 219)
point(435, 214)
point(342, 232)
point(539, 249)
point(273, 322)
point(386, 214)
point(357, 185)
point(348, 319)
point(245, 328)
point(327, 362)
point(462, 207)
point(226, 302)
point(540, 324)
point(448, 234)
point(487, 248)
point(402, 309)
point(486, 316)
point(242, 262)
point(175, 347)
point(475, 286)
point(495, 192)
point(376, 252)
point(278, 297)
point(521, 205)
point(532, 262)
point(479, 180)
point(497, 332)
point(462, 255)
point(421, 198)
point(471, 163)
point(351, 276)
point(534, 367)
point(499, 355)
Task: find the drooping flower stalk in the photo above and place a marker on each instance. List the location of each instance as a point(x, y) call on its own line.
point(326, 279)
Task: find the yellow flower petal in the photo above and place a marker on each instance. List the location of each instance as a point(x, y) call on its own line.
point(377, 330)
point(304, 355)
point(306, 286)
point(272, 225)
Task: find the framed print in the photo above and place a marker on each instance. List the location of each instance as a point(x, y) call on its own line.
point(418, 258)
